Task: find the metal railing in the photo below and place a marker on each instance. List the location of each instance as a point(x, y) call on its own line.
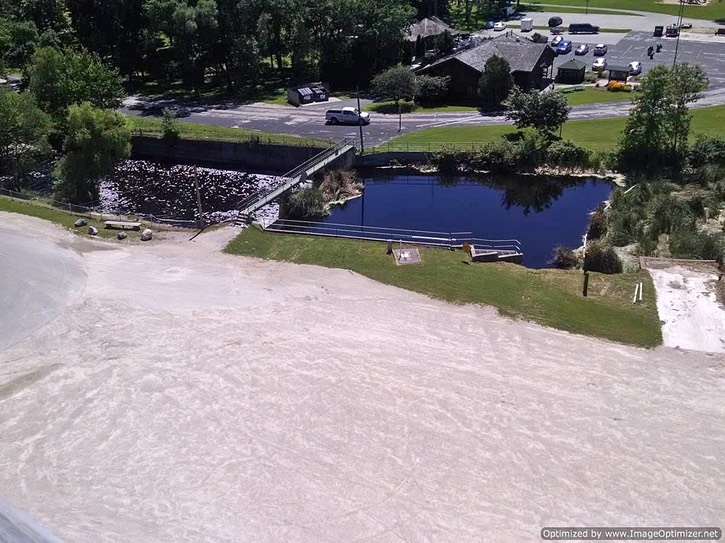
point(423, 147)
point(95, 212)
point(295, 176)
point(431, 238)
point(260, 139)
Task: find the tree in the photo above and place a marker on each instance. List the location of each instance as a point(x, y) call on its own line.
point(496, 81)
point(170, 129)
point(23, 131)
point(396, 83)
point(429, 88)
point(60, 79)
point(655, 134)
point(113, 29)
point(96, 140)
point(546, 111)
point(446, 43)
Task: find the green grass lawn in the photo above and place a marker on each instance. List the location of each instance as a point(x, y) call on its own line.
point(549, 297)
point(714, 10)
point(591, 95)
point(597, 134)
point(534, 7)
point(152, 127)
point(42, 210)
point(389, 107)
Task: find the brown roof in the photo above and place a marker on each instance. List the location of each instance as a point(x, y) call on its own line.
point(430, 26)
point(522, 55)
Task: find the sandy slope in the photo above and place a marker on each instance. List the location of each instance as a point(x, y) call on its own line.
point(692, 318)
point(186, 395)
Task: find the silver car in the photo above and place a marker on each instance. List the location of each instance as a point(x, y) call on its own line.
point(635, 68)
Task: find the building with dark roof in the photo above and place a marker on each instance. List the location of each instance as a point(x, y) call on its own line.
point(531, 65)
point(618, 72)
point(571, 72)
point(428, 29)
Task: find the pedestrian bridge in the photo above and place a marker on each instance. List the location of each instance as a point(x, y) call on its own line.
point(342, 151)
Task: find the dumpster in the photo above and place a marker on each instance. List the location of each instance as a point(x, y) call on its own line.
point(658, 31)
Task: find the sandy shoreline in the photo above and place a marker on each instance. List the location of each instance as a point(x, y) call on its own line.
point(184, 395)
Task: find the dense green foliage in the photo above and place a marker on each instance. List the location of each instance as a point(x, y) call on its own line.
point(307, 203)
point(544, 111)
point(522, 151)
point(655, 135)
point(59, 79)
point(95, 141)
point(496, 81)
point(23, 131)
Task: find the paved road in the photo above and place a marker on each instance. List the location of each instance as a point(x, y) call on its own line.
point(309, 120)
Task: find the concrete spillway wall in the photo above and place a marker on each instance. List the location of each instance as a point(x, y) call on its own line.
point(249, 157)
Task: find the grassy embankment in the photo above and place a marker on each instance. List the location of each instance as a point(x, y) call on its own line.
point(714, 10)
point(43, 210)
point(589, 95)
point(549, 297)
point(597, 134)
point(152, 127)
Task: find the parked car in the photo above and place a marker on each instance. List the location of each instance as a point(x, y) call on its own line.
point(583, 49)
point(564, 47)
point(599, 65)
point(600, 49)
point(556, 40)
point(686, 25)
point(497, 27)
point(555, 21)
point(347, 115)
point(635, 68)
point(489, 25)
point(179, 111)
point(583, 28)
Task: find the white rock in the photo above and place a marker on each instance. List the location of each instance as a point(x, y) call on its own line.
point(146, 235)
point(92, 230)
point(80, 222)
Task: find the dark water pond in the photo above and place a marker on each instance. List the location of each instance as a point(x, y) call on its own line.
point(541, 212)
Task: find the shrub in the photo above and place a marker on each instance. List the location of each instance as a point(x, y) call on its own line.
point(430, 88)
point(601, 258)
point(170, 129)
point(340, 185)
point(688, 242)
point(616, 86)
point(306, 203)
point(597, 224)
point(563, 258)
point(707, 151)
point(449, 160)
point(567, 154)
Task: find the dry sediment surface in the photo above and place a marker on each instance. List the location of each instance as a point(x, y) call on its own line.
point(183, 395)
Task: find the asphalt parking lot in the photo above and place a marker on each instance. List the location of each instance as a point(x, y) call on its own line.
point(709, 54)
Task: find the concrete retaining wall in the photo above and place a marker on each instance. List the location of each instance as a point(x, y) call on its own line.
point(374, 160)
point(249, 157)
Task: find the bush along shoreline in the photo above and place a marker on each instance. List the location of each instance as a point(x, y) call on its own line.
point(524, 152)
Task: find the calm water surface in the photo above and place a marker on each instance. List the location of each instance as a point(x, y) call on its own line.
point(540, 212)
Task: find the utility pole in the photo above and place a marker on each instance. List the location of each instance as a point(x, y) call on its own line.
point(679, 29)
point(586, 9)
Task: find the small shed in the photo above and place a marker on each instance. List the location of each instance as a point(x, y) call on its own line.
point(618, 72)
point(320, 94)
point(571, 72)
point(300, 95)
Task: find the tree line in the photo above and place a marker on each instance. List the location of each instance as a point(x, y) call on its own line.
point(232, 44)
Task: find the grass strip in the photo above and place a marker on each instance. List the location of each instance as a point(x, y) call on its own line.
point(549, 297)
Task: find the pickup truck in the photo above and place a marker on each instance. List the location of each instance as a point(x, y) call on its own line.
point(347, 115)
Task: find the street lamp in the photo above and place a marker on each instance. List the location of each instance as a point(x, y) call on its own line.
point(586, 9)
